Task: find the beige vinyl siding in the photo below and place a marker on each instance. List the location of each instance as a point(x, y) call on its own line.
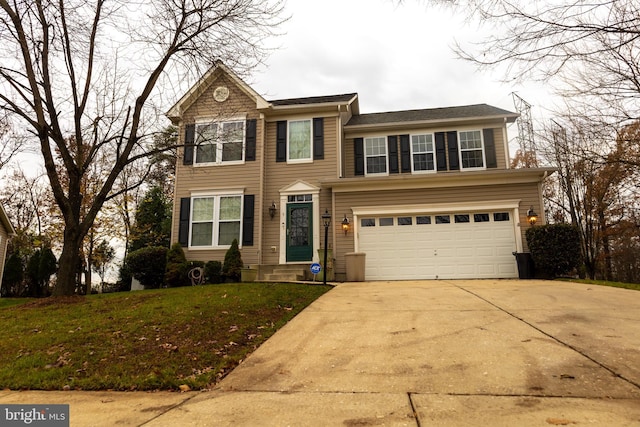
point(349, 144)
point(526, 193)
point(279, 175)
point(196, 178)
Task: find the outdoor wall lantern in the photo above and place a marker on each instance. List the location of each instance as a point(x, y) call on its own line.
point(326, 221)
point(273, 209)
point(532, 216)
point(345, 224)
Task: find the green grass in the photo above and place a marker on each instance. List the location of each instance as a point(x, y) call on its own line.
point(145, 340)
point(634, 286)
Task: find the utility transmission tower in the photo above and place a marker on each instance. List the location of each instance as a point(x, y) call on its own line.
point(525, 132)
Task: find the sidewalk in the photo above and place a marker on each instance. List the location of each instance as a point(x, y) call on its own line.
point(442, 353)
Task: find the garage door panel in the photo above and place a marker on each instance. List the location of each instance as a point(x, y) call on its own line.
point(454, 250)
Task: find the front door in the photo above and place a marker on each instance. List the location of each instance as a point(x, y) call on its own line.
point(299, 232)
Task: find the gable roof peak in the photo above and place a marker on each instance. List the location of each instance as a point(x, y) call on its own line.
point(204, 83)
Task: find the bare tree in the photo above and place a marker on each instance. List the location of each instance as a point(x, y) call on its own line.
point(91, 72)
point(10, 143)
point(589, 49)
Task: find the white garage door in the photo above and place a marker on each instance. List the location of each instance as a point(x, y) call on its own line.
point(438, 246)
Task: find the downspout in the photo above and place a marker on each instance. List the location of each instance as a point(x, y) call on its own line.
point(505, 141)
point(261, 202)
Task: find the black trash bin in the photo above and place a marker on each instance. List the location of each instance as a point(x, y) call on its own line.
point(525, 265)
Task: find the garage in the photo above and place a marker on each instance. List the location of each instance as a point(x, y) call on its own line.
point(439, 245)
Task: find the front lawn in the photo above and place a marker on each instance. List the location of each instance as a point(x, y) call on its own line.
point(165, 339)
point(634, 286)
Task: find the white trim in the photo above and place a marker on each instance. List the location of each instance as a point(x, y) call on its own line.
point(482, 148)
point(386, 156)
point(432, 209)
point(305, 160)
point(219, 143)
point(299, 187)
point(433, 152)
point(216, 195)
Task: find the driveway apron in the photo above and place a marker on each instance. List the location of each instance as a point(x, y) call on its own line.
point(441, 353)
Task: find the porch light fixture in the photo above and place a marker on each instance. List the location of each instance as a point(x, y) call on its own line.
point(532, 216)
point(345, 224)
point(326, 221)
point(272, 209)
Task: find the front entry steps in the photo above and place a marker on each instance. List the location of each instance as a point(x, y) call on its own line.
point(283, 273)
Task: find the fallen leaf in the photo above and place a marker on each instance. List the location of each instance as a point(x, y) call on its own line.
point(184, 388)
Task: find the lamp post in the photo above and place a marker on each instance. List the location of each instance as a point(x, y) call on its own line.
point(326, 221)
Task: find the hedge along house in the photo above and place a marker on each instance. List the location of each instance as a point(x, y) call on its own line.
point(426, 193)
point(6, 231)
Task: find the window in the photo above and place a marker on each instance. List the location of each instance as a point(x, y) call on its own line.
point(423, 220)
point(443, 219)
point(471, 152)
point(375, 152)
point(422, 153)
point(405, 220)
point(367, 222)
point(462, 218)
point(299, 141)
point(215, 220)
point(219, 142)
point(501, 216)
point(300, 198)
point(385, 222)
point(482, 217)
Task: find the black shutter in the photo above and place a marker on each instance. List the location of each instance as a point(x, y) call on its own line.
point(405, 154)
point(392, 143)
point(441, 152)
point(358, 154)
point(490, 148)
point(250, 140)
point(452, 143)
point(318, 138)
point(189, 140)
point(185, 213)
point(281, 141)
point(247, 220)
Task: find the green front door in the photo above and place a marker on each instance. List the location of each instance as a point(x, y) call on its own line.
point(299, 232)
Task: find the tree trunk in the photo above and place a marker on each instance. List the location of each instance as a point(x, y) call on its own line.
point(68, 264)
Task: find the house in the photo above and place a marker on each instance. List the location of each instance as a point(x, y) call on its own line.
point(423, 193)
point(6, 231)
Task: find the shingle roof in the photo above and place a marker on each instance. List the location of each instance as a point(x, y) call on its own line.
point(430, 114)
point(315, 100)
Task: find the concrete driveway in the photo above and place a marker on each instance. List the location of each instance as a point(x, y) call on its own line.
point(418, 353)
point(441, 353)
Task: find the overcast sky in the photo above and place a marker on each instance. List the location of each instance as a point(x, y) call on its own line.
point(396, 57)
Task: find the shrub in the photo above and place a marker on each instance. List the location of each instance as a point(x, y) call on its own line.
point(176, 270)
point(555, 249)
point(232, 263)
point(13, 276)
point(148, 265)
point(213, 272)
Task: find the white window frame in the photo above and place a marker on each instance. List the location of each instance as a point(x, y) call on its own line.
point(215, 230)
point(432, 152)
point(368, 155)
point(304, 159)
point(461, 150)
point(219, 143)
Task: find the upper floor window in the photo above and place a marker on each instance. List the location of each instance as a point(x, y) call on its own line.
point(215, 220)
point(299, 141)
point(219, 142)
point(471, 149)
point(375, 153)
point(422, 153)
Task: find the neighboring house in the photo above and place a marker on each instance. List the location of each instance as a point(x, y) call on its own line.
point(427, 193)
point(6, 231)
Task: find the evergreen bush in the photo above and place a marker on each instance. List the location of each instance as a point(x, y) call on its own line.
point(177, 268)
point(213, 272)
point(555, 249)
point(232, 263)
point(148, 265)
